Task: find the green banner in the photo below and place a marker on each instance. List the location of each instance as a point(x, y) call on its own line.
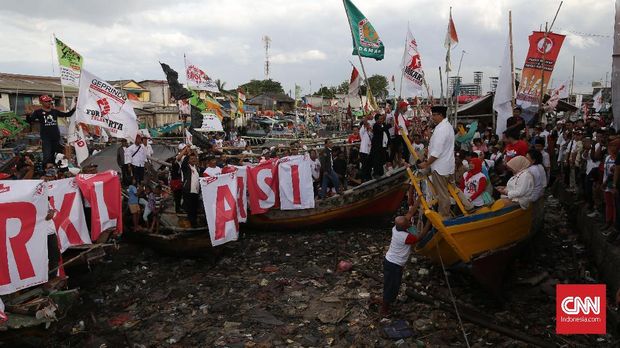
point(70, 64)
point(366, 41)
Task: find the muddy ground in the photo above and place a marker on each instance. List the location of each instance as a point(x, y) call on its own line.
point(283, 289)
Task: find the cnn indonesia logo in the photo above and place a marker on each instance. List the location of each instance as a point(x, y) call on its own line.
point(581, 309)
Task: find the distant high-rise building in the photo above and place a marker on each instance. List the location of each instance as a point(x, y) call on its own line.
point(493, 83)
point(478, 80)
point(452, 83)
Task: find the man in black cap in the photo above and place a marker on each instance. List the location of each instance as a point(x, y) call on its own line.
point(50, 134)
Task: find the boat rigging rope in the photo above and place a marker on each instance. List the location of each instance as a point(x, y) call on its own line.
point(456, 310)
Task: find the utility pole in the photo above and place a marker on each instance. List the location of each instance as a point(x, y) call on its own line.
point(615, 72)
point(267, 41)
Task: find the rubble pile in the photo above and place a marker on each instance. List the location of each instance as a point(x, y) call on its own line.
point(316, 289)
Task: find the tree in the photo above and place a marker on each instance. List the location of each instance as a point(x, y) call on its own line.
point(343, 87)
point(256, 87)
point(378, 85)
point(220, 85)
point(326, 92)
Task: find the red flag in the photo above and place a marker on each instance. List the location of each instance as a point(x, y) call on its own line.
point(354, 83)
point(451, 37)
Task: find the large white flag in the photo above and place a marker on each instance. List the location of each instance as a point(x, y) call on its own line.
point(411, 66)
point(75, 137)
point(502, 102)
point(219, 195)
point(102, 105)
point(197, 79)
point(295, 183)
point(70, 221)
point(23, 234)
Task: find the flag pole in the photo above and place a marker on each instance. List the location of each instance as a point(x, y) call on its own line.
point(369, 91)
point(402, 71)
point(62, 87)
point(512, 62)
point(441, 85)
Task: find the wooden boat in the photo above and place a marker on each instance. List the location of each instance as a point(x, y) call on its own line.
point(372, 200)
point(482, 243)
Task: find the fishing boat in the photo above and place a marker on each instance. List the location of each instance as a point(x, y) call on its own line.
point(370, 201)
point(483, 242)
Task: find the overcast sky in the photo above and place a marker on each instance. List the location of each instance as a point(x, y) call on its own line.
point(311, 40)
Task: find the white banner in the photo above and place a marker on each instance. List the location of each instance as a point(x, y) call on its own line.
point(502, 100)
point(242, 193)
point(219, 195)
point(75, 137)
point(70, 221)
point(23, 234)
point(198, 79)
point(102, 105)
point(210, 123)
point(295, 183)
point(411, 66)
point(188, 138)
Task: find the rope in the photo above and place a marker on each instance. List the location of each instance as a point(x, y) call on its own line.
point(456, 310)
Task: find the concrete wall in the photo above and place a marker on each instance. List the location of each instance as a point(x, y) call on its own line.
point(4, 102)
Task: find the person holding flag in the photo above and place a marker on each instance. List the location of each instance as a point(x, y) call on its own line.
point(48, 120)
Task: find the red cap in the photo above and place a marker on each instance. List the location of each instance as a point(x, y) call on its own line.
point(45, 98)
point(403, 104)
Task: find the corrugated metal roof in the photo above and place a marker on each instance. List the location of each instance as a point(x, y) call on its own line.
point(32, 84)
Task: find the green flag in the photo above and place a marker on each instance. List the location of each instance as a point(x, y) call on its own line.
point(366, 41)
point(70, 64)
point(195, 101)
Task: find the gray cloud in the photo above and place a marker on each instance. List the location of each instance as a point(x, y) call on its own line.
point(310, 38)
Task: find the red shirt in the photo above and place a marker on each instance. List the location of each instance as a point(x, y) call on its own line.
point(519, 148)
point(354, 138)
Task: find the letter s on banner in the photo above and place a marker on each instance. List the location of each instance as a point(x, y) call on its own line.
point(70, 221)
point(23, 234)
point(295, 183)
point(219, 197)
point(103, 192)
point(263, 186)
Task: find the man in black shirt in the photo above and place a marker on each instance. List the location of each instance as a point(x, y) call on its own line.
point(515, 124)
point(50, 134)
point(377, 152)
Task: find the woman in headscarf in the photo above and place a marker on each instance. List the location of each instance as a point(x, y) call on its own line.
point(474, 183)
point(521, 184)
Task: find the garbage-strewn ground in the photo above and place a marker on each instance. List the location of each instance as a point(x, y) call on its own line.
point(276, 289)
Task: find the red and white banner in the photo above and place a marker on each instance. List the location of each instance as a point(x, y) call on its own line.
point(242, 193)
point(411, 67)
point(354, 83)
point(70, 222)
point(23, 234)
point(543, 52)
point(103, 192)
point(295, 183)
point(197, 79)
point(219, 195)
point(263, 186)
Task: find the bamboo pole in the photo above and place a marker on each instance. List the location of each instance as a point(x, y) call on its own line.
point(512, 63)
point(441, 100)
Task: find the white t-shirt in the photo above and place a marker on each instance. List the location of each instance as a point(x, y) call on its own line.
point(194, 183)
point(590, 164)
point(365, 140)
point(127, 155)
point(213, 171)
point(471, 186)
point(398, 252)
point(540, 181)
point(138, 155)
point(441, 146)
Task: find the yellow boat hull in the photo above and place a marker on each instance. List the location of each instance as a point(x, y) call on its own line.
point(464, 238)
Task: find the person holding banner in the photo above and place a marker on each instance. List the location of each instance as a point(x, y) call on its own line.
point(138, 153)
point(191, 183)
point(50, 134)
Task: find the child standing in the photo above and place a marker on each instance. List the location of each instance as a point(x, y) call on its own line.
point(133, 203)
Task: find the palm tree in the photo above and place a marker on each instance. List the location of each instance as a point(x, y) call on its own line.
point(220, 85)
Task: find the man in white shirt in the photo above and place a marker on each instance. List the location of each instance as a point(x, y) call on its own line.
point(441, 160)
point(315, 167)
point(138, 153)
point(212, 168)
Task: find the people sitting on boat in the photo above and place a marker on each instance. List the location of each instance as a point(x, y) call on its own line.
point(474, 184)
point(520, 186)
point(396, 258)
point(212, 168)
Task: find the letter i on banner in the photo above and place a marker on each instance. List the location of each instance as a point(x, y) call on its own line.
point(242, 193)
point(103, 192)
point(23, 234)
point(295, 183)
point(219, 195)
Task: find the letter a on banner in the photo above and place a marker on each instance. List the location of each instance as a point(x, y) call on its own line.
point(103, 192)
point(70, 222)
point(23, 234)
point(263, 186)
point(219, 195)
point(295, 177)
point(242, 193)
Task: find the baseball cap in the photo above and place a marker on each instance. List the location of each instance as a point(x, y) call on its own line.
point(45, 98)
